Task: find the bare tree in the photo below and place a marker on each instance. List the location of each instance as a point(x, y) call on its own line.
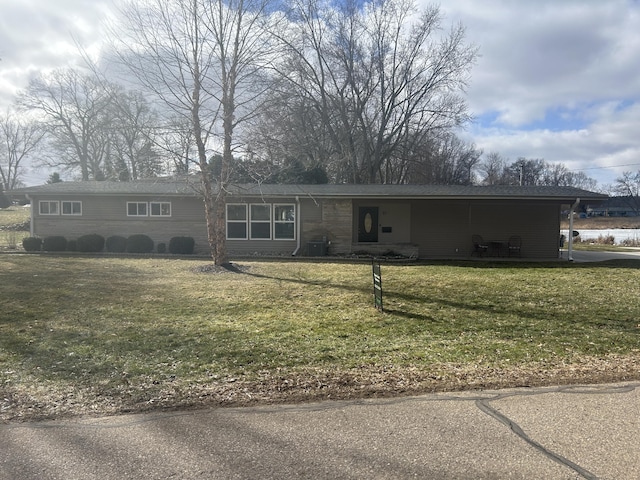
point(200, 59)
point(75, 111)
point(443, 160)
point(496, 170)
point(135, 130)
point(628, 186)
point(582, 180)
point(18, 140)
point(492, 168)
point(175, 140)
point(376, 78)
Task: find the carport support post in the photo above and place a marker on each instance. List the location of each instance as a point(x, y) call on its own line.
point(570, 247)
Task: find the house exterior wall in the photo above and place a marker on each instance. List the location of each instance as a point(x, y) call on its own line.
point(443, 229)
point(326, 220)
point(107, 216)
point(272, 246)
point(394, 220)
point(430, 228)
point(538, 224)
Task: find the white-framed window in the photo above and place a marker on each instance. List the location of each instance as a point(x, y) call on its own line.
point(49, 207)
point(260, 221)
point(284, 218)
point(137, 209)
point(236, 221)
point(71, 207)
point(160, 209)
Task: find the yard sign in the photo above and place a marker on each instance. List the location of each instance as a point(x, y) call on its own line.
point(377, 285)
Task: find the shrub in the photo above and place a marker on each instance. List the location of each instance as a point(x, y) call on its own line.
point(72, 246)
point(162, 248)
point(631, 242)
point(55, 243)
point(181, 245)
point(139, 244)
point(32, 244)
point(116, 244)
point(90, 243)
point(606, 240)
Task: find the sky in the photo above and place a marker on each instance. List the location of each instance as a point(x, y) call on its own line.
point(555, 79)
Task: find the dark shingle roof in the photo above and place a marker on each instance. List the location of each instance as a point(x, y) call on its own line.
point(184, 187)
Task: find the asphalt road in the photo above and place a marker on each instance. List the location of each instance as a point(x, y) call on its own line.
point(543, 433)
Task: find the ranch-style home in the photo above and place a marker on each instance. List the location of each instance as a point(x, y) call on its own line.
point(418, 221)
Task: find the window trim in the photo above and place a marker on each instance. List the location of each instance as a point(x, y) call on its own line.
point(146, 208)
point(245, 221)
point(269, 222)
point(71, 202)
point(272, 221)
point(284, 222)
point(49, 203)
point(151, 204)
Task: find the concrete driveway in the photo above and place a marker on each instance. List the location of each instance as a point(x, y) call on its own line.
point(556, 433)
point(583, 256)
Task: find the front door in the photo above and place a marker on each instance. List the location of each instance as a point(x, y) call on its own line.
point(368, 224)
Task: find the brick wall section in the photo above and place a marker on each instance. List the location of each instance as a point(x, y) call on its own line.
point(330, 218)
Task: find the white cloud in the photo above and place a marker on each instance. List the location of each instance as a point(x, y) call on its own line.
point(603, 150)
point(558, 80)
point(535, 55)
point(39, 35)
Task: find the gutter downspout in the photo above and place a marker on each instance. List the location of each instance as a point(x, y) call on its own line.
point(30, 215)
point(298, 240)
point(570, 248)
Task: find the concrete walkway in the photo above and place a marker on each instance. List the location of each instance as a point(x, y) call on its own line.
point(543, 433)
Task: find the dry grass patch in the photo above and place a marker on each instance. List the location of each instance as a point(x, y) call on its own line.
point(107, 335)
point(14, 226)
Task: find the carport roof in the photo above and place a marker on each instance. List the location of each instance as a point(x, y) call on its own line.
point(190, 187)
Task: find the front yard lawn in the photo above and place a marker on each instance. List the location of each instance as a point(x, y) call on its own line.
point(109, 335)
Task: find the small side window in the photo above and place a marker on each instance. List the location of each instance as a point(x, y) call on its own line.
point(49, 207)
point(160, 209)
point(71, 208)
point(136, 209)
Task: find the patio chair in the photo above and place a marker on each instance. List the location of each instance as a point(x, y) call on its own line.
point(515, 243)
point(480, 247)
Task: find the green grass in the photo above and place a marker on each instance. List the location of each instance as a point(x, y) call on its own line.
point(139, 332)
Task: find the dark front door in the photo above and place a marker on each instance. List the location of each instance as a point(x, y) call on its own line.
point(368, 224)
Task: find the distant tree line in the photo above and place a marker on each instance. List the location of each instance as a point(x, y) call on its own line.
point(497, 170)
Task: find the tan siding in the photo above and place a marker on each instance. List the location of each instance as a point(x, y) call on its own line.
point(261, 247)
point(393, 214)
point(440, 228)
point(107, 216)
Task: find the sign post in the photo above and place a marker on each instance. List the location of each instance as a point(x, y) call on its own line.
point(377, 285)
